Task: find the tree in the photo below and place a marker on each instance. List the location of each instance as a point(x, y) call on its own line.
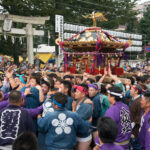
point(118, 12)
point(144, 28)
point(144, 25)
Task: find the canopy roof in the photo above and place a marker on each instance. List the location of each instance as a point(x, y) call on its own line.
point(86, 41)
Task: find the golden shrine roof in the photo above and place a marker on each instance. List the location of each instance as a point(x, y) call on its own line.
point(86, 41)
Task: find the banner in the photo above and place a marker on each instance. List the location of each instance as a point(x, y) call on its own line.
point(59, 28)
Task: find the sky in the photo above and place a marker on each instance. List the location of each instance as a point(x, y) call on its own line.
point(142, 1)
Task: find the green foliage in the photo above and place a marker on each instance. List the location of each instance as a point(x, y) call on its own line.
point(119, 12)
point(144, 29)
point(144, 25)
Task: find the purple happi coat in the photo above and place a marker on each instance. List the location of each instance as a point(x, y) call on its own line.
point(144, 132)
point(110, 146)
point(13, 121)
point(120, 113)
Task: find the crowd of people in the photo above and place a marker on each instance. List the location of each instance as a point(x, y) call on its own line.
point(46, 109)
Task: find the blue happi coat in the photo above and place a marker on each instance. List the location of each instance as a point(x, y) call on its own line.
point(85, 111)
point(61, 127)
point(32, 100)
point(47, 108)
point(68, 105)
point(97, 108)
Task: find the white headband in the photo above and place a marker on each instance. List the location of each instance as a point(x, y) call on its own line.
point(116, 94)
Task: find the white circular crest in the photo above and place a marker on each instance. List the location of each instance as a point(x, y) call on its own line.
point(62, 124)
point(62, 116)
point(55, 122)
point(69, 121)
point(67, 130)
point(58, 130)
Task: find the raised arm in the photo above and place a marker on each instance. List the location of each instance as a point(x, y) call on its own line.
point(35, 111)
point(102, 78)
point(9, 75)
point(41, 95)
point(115, 78)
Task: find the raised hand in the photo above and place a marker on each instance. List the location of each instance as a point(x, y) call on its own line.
point(109, 70)
point(9, 72)
point(105, 71)
point(27, 91)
